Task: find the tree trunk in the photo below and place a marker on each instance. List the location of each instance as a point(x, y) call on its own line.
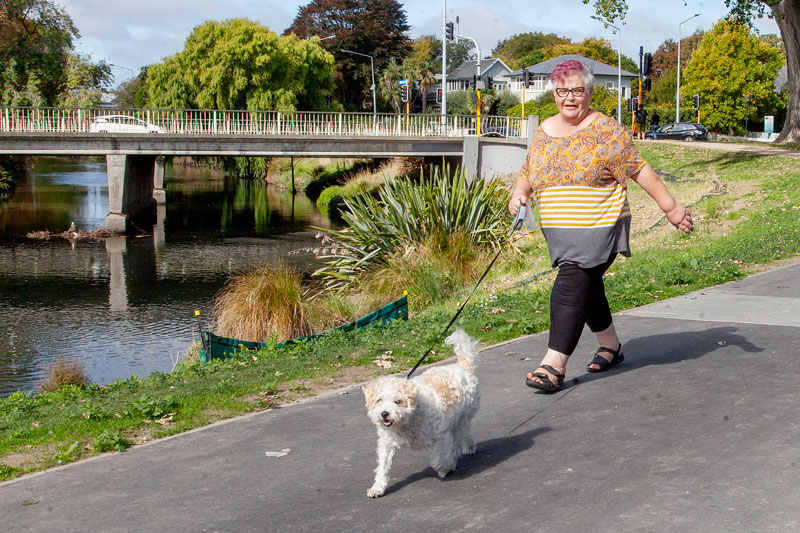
point(787, 15)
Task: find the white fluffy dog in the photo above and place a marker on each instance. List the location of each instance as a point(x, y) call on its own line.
point(432, 411)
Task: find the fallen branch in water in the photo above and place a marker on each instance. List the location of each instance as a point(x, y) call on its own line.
point(46, 235)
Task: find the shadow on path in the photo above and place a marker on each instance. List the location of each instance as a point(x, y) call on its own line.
point(490, 454)
point(669, 348)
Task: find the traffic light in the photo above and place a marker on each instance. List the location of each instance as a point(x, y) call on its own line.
point(438, 96)
point(633, 104)
point(449, 31)
point(404, 92)
point(696, 101)
point(488, 82)
point(646, 85)
point(648, 64)
point(526, 77)
point(475, 81)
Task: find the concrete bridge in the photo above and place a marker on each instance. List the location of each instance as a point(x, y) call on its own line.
point(136, 142)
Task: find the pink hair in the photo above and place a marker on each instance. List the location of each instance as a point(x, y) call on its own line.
point(568, 68)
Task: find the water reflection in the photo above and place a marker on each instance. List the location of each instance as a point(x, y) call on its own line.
point(125, 305)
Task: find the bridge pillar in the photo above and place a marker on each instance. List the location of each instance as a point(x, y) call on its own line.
point(471, 162)
point(130, 189)
point(159, 192)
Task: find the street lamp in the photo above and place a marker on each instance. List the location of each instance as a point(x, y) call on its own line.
point(120, 66)
point(678, 90)
point(372, 67)
point(444, 63)
point(619, 67)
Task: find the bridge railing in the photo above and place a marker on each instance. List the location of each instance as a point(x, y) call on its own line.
point(224, 122)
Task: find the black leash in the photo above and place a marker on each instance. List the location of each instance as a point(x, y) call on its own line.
point(518, 222)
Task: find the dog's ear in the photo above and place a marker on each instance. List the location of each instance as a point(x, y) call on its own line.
point(371, 394)
point(410, 391)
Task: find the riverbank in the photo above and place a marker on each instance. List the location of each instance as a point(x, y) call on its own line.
point(746, 206)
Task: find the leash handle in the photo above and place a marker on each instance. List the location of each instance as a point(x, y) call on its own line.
point(520, 218)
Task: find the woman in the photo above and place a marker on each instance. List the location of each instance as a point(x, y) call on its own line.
point(578, 167)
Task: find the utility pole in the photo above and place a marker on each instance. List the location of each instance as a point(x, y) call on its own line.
point(678, 90)
point(444, 63)
point(619, 65)
point(477, 78)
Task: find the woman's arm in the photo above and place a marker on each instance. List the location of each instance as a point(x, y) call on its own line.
point(679, 216)
point(522, 190)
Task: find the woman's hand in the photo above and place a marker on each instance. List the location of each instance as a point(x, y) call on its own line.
point(522, 190)
point(517, 199)
point(681, 218)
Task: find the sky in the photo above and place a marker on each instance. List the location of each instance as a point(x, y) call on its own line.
point(130, 35)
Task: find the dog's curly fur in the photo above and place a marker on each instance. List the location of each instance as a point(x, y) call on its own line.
point(432, 411)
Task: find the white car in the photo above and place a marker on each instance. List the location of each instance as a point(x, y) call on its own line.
point(122, 124)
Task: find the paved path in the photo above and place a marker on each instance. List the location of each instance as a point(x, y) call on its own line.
point(697, 430)
point(754, 147)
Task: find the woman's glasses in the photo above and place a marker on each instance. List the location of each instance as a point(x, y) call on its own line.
point(562, 92)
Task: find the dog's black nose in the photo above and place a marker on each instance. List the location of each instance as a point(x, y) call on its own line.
point(385, 415)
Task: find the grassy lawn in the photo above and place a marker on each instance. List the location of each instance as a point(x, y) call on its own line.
point(746, 208)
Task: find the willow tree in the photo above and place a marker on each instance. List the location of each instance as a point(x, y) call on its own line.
point(786, 14)
point(239, 64)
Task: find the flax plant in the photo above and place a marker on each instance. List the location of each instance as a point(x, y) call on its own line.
point(403, 215)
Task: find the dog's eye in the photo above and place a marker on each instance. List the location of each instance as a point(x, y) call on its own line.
point(398, 402)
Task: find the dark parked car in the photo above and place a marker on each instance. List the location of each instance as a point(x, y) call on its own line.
point(684, 131)
point(500, 131)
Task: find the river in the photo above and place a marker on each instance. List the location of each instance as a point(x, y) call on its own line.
point(125, 306)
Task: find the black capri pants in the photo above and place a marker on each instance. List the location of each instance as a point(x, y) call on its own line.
point(578, 298)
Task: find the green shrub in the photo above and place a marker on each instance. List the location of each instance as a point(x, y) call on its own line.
point(324, 200)
point(505, 101)
point(337, 176)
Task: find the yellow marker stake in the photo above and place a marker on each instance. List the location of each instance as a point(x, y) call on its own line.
point(478, 125)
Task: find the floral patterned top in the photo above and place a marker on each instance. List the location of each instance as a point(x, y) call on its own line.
point(580, 185)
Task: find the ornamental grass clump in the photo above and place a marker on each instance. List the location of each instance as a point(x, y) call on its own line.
point(63, 372)
point(404, 217)
point(263, 303)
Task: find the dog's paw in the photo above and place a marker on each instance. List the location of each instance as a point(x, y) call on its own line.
point(469, 449)
point(442, 472)
point(374, 492)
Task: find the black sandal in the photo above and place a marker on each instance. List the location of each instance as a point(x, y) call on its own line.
point(604, 363)
point(546, 385)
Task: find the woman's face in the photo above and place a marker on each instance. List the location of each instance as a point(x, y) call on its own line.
point(573, 107)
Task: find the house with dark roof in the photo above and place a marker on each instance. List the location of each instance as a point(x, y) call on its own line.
point(539, 76)
point(504, 79)
point(461, 79)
